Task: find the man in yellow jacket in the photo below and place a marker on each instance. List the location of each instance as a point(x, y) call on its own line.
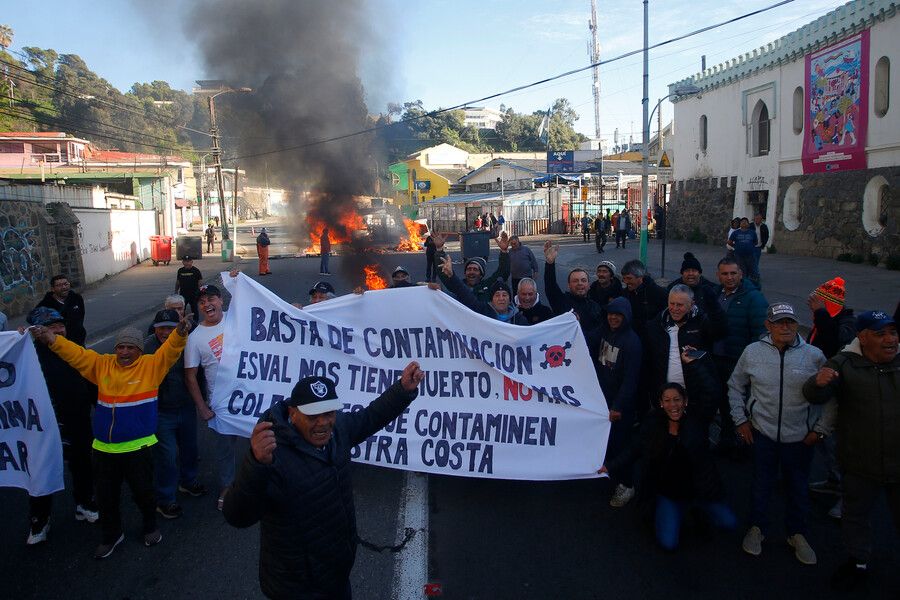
point(124, 422)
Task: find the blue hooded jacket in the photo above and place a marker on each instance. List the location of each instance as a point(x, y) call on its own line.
point(617, 359)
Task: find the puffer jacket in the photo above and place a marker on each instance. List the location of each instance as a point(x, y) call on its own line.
point(304, 501)
point(868, 413)
point(775, 405)
point(744, 318)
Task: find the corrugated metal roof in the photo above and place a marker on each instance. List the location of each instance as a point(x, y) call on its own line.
point(496, 197)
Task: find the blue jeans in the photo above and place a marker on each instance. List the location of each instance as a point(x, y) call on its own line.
point(757, 253)
point(670, 515)
point(175, 454)
point(323, 265)
point(794, 460)
point(225, 448)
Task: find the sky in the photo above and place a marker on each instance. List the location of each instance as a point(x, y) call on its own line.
point(446, 52)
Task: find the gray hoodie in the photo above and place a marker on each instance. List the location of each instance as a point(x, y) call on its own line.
point(775, 405)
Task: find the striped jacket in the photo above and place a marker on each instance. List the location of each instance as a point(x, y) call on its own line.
point(125, 417)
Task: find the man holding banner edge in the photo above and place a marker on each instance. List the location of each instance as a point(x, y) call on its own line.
point(296, 478)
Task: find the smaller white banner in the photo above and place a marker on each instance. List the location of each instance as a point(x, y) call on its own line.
point(30, 446)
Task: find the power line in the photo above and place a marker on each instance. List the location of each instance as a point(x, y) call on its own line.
point(517, 88)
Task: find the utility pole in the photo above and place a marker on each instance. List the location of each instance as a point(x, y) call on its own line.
point(595, 58)
point(217, 156)
point(646, 138)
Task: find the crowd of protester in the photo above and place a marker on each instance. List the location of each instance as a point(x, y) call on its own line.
point(704, 359)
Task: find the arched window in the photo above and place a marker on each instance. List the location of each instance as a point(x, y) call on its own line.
point(798, 110)
point(703, 134)
point(760, 130)
point(875, 202)
point(882, 86)
point(790, 216)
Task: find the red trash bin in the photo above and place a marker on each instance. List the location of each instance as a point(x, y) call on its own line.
point(160, 249)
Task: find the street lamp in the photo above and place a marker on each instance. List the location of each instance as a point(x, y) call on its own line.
point(218, 88)
point(685, 90)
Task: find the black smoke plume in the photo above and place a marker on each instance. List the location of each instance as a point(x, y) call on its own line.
point(302, 60)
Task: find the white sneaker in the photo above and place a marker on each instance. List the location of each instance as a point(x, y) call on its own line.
point(753, 541)
point(86, 514)
point(802, 550)
point(621, 496)
point(36, 537)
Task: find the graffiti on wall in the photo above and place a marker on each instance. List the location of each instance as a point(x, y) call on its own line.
point(95, 246)
point(20, 265)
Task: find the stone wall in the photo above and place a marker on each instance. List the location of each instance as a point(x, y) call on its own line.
point(28, 255)
point(830, 215)
point(701, 209)
point(68, 245)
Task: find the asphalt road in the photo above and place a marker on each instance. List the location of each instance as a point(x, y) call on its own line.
point(486, 538)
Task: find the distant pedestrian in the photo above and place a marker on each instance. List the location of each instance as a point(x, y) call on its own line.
point(176, 453)
point(69, 304)
point(210, 237)
point(600, 232)
point(762, 238)
point(501, 223)
point(187, 282)
point(477, 222)
point(623, 226)
point(659, 215)
point(262, 250)
point(522, 262)
point(585, 228)
point(325, 251)
point(430, 251)
point(743, 242)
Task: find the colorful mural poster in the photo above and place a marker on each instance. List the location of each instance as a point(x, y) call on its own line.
point(837, 92)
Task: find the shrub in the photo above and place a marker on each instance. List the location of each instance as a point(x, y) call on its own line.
point(843, 257)
point(873, 259)
point(893, 262)
point(696, 236)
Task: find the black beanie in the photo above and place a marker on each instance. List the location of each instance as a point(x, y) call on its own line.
point(690, 262)
point(499, 285)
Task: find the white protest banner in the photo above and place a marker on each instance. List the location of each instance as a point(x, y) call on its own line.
point(30, 447)
point(498, 400)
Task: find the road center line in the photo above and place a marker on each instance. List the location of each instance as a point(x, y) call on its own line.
point(411, 563)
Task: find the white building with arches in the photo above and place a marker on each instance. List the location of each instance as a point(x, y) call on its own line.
point(804, 130)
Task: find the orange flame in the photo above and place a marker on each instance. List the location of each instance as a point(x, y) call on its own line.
point(374, 281)
point(415, 241)
point(341, 233)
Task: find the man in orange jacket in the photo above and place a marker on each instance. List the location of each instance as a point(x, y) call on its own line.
point(124, 422)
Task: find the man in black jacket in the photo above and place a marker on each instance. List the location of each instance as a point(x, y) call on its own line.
point(296, 480)
point(607, 285)
point(646, 297)
point(576, 299)
point(69, 304)
point(528, 301)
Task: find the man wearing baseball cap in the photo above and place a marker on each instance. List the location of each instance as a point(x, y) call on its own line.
point(124, 422)
point(864, 379)
point(176, 455)
point(320, 292)
point(400, 278)
point(295, 480)
point(779, 425)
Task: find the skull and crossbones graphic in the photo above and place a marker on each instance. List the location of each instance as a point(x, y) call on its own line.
point(555, 356)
